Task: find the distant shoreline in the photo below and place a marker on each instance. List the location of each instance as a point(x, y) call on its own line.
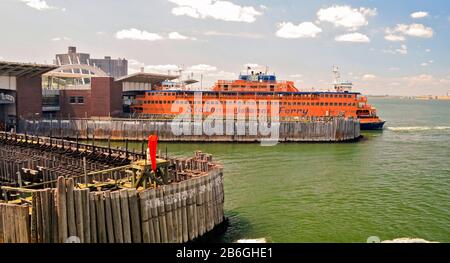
point(439, 98)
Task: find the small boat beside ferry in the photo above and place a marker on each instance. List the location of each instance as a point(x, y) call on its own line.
point(256, 87)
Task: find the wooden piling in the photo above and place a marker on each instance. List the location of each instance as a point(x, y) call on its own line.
point(117, 217)
point(125, 216)
point(71, 221)
point(109, 217)
point(134, 216)
point(61, 210)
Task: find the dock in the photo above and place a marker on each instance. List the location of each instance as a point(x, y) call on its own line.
point(60, 191)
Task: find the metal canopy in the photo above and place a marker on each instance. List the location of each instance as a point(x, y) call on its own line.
point(15, 69)
point(150, 78)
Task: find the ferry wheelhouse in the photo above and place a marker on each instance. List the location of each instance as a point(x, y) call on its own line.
point(255, 88)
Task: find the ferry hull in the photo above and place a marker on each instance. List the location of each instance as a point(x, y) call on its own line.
point(372, 126)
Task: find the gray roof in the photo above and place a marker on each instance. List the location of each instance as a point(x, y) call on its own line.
point(16, 69)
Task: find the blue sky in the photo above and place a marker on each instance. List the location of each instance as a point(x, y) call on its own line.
point(384, 47)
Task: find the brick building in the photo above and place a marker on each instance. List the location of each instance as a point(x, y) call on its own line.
point(20, 92)
point(80, 95)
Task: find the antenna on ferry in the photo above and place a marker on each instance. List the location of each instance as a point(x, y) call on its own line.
point(337, 75)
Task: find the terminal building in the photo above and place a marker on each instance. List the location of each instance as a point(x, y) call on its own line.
point(75, 87)
point(92, 93)
point(20, 92)
point(115, 68)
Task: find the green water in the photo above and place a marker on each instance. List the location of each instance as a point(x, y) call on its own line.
point(393, 184)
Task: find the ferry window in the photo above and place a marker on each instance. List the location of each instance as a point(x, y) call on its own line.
point(326, 104)
point(321, 104)
point(340, 104)
point(326, 95)
point(272, 88)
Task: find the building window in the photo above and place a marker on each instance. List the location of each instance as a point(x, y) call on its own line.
point(72, 100)
point(80, 100)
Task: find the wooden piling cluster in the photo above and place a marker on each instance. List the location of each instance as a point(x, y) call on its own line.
point(191, 205)
point(40, 159)
point(327, 129)
point(14, 223)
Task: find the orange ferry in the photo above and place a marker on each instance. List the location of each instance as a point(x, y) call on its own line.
point(256, 87)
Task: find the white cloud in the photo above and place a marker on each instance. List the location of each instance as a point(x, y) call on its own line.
point(228, 34)
point(178, 36)
point(423, 78)
point(428, 50)
point(39, 5)
point(296, 76)
point(202, 68)
point(263, 7)
point(368, 77)
point(303, 30)
point(420, 14)
point(403, 50)
point(61, 39)
point(414, 30)
point(353, 37)
point(394, 38)
point(136, 34)
point(222, 75)
point(162, 68)
point(425, 64)
point(346, 16)
point(217, 9)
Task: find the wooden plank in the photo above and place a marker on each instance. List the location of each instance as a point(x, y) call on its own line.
point(86, 215)
point(24, 224)
point(210, 218)
point(9, 225)
point(109, 219)
point(61, 210)
point(71, 221)
point(46, 219)
point(190, 209)
point(200, 208)
point(145, 222)
point(39, 217)
point(178, 192)
point(125, 216)
point(54, 215)
point(184, 210)
point(93, 218)
point(2, 223)
point(161, 215)
point(101, 221)
point(133, 202)
point(154, 216)
point(78, 197)
point(34, 224)
point(168, 206)
point(117, 217)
